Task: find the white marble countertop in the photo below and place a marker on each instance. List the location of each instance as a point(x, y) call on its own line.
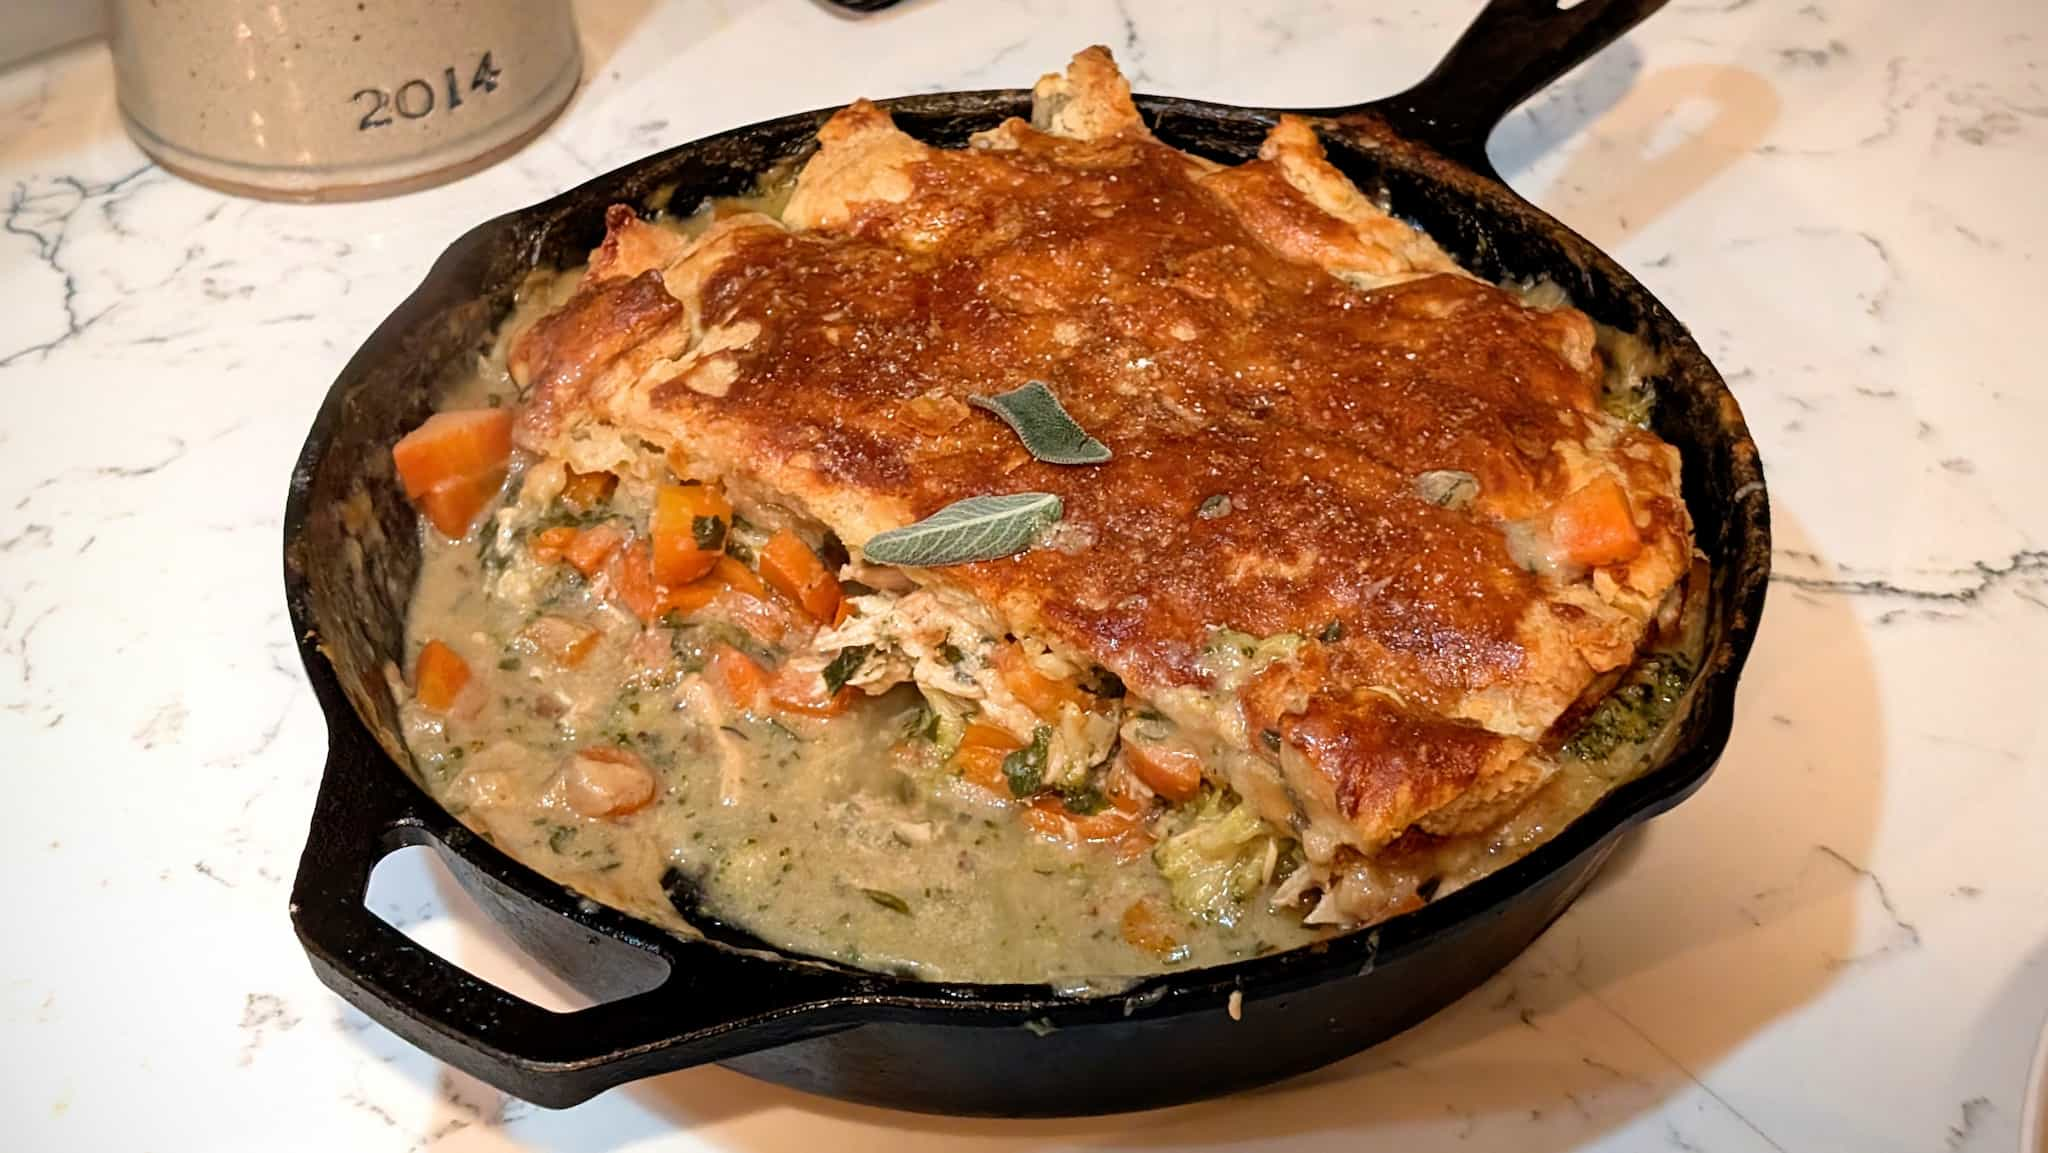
point(1839, 944)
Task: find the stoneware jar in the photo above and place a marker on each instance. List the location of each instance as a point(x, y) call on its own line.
point(339, 99)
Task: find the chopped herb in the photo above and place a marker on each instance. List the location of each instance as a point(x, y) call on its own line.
point(923, 724)
point(976, 529)
point(888, 900)
point(560, 836)
point(1271, 738)
point(672, 619)
point(1636, 709)
point(709, 532)
point(1215, 507)
point(1332, 633)
point(951, 652)
point(1024, 769)
point(1048, 433)
point(1083, 801)
point(508, 663)
point(844, 667)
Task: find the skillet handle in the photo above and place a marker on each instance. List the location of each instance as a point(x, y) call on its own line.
point(713, 1004)
point(1511, 51)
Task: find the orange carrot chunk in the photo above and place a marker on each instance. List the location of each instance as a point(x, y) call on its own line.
point(727, 574)
point(632, 580)
point(452, 506)
point(980, 756)
point(567, 643)
point(689, 527)
point(591, 548)
point(796, 572)
point(802, 692)
point(452, 464)
point(438, 676)
point(1142, 927)
point(1594, 526)
point(1049, 817)
point(549, 544)
point(746, 682)
point(1172, 772)
point(1039, 693)
point(586, 491)
point(730, 573)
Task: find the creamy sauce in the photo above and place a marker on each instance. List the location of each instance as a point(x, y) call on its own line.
point(834, 838)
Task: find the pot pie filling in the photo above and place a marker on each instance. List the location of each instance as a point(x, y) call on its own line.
point(1373, 579)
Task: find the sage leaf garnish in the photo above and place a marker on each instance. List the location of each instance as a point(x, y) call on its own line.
point(978, 528)
point(1035, 415)
point(1447, 488)
point(844, 666)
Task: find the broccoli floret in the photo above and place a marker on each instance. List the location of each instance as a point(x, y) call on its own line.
point(1217, 862)
point(1635, 710)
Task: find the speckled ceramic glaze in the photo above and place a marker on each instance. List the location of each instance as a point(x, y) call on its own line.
point(333, 99)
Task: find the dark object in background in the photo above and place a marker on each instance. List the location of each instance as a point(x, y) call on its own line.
point(863, 5)
point(350, 562)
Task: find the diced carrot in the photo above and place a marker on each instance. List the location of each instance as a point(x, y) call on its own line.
point(453, 444)
point(1039, 693)
point(632, 580)
point(766, 619)
point(1169, 770)
point(568, 643)
point(587, 491)
point(451, 506)
point(795, 571)
point(804, 692)
point(746, 682)
point(1049, 816)
point(981, 735)
point(438, 676)
point(689, 599)
point(730, 573)
point(1594, 526)
point(689, 527)
point(452, 464)
point(727, 574)
point(592, 547)
point(843, 613)
point(1130, 846)
point(980, 756)
point(1142, 927)
point(1124, 791)
point(549, 544)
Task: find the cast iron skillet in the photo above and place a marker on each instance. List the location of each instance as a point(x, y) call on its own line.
point(351, 558)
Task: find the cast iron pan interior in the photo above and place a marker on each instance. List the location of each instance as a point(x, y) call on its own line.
point(351, 557)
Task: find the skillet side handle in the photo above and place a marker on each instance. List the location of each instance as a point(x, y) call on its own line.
point(713, 1004)
point(1511, 51)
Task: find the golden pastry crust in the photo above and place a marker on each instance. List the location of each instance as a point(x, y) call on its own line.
point(1262, 333)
